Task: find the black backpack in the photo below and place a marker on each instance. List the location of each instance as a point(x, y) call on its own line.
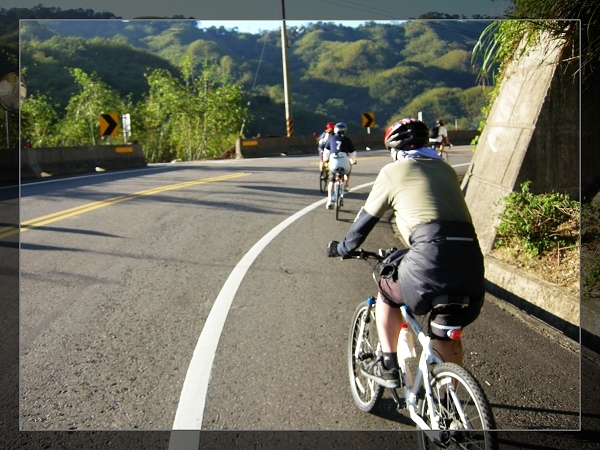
point(434, 132)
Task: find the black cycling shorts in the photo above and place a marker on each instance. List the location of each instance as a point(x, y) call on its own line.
point(444, 259)
point(391, 295)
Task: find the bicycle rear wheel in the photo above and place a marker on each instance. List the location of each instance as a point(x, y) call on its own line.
point(338, 197)
point(365, 392)
point(466, 415)
point(323, 180)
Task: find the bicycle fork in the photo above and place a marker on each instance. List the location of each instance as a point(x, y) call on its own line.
point(358, 351)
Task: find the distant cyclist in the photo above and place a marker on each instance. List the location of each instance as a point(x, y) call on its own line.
point(443, 263)
point(339, 151)
point(323, 138)
point(438, 135)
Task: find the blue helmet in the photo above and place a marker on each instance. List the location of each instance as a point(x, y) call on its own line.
point(340, 128)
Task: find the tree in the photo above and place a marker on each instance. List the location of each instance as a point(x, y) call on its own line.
point(448, 104)
point(38, 120)
point(191, 117)
point(81, 124)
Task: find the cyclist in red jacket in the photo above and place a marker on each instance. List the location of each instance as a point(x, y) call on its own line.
point(323, 138)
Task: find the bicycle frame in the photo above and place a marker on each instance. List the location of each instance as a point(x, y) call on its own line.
point(339, 178)
point(422, 378)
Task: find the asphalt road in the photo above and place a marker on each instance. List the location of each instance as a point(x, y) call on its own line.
point(139, 288)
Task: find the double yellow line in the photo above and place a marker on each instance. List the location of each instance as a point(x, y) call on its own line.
point(65, 214)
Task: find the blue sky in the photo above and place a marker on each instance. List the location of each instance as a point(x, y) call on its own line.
point(255, 26)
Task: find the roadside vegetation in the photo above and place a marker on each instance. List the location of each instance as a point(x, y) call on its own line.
point(566, 251)
point(187, 117)
point(540, 234)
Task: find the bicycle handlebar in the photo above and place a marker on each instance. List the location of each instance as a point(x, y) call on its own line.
point(381, 254)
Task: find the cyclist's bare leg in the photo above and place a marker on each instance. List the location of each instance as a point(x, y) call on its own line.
point(330, 189)
point(449, 351)
point(389, 323)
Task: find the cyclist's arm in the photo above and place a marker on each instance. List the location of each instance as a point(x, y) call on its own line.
point(350, 150)
point(445, 136)
point(352, 155)
point(321, 145)
point(358, 232)
point(377, 204)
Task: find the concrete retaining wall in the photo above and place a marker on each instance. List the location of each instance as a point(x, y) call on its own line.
point(38, 162)
point(553, 304)
point(532, 133)
point(302, 145)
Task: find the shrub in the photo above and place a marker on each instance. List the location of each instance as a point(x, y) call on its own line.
point(538, 222)
point(590, 249)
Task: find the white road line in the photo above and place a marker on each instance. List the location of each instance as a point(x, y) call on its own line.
point(190, 410)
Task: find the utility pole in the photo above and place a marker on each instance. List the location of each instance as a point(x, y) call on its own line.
point(289, 121)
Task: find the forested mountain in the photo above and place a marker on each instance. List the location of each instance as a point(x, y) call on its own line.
point(337, 72)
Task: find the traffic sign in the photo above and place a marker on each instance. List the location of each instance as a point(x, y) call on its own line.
point(109, 124)
point(126, 119)
point(368, 120)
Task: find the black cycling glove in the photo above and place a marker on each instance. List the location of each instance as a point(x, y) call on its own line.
point(332, 249)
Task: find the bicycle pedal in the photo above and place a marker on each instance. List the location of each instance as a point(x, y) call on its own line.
point(366, 355)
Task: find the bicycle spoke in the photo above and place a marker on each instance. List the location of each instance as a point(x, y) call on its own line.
point(363, 345)
point(463, 411)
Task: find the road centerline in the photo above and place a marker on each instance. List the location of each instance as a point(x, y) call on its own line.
point(88, 207)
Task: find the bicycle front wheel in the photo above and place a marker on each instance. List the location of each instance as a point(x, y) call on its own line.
point(464, 410)
point(363, 335)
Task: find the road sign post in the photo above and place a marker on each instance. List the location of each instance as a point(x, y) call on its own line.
point(126, 120)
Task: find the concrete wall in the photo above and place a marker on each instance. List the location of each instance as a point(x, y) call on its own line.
point(38, 162)
point(532, 133)
point(299, 145)
point(590, 151)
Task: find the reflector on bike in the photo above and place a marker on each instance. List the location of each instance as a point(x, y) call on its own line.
point(455, 334)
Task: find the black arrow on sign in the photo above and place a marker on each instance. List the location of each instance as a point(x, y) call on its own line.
point(111, 124)
point(369, 120)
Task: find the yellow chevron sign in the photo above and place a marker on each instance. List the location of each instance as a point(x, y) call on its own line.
point(368, 120)
point(109, 124)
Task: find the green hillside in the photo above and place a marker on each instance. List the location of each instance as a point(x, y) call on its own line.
point(337, 72)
